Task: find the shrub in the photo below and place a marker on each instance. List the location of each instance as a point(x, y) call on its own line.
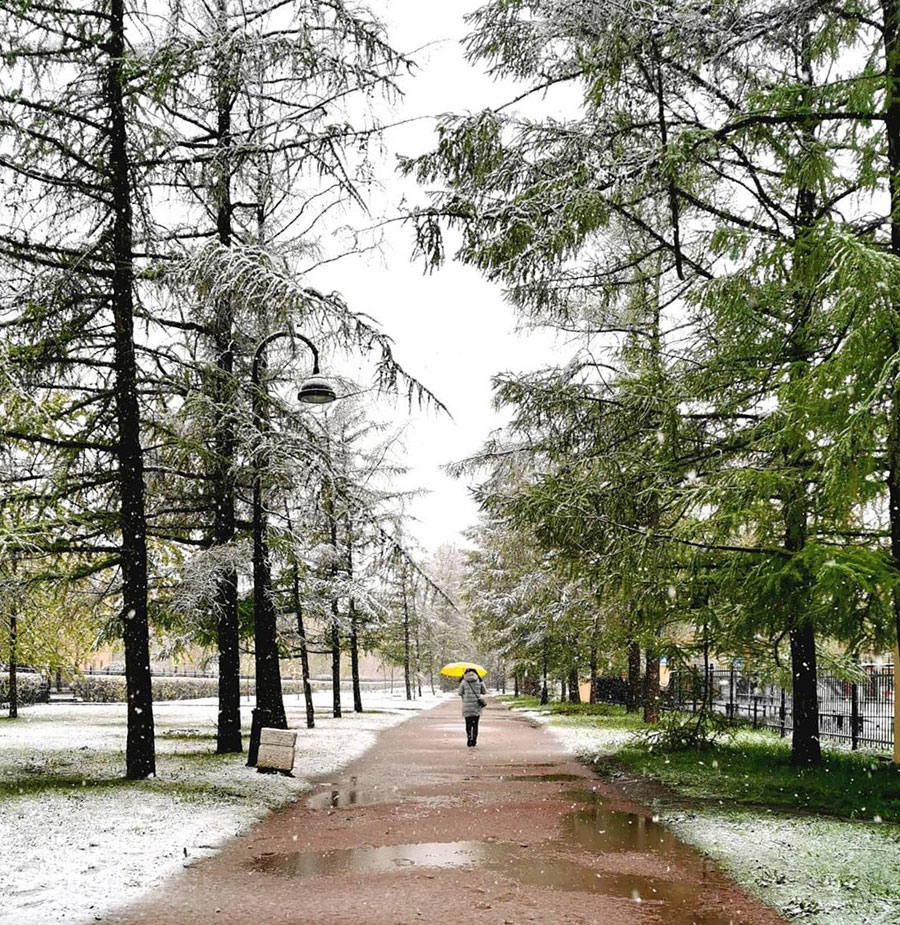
point(100, 688)
point(111, 688)
point(30, 688)
point(679, 732)
point(184, 688)
point(586, 709)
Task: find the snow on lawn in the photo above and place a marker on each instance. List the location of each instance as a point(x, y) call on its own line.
point(814, 870)
point(77, 839)
point(578, 738)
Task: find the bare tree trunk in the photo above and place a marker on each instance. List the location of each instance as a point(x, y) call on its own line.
point(13, 656)
point(354, 627)
point(228, 735)
point(304, 647)
point(140, 750)
point(805, 747)
point(354, 658)
point(545, 693)
point(406, 642)
point(891, 14)
point(651, 698)
point(418, 657)
point(574, 690)
point(335, 660)
point(634, 677)
point(269, 711)
point(328, 506)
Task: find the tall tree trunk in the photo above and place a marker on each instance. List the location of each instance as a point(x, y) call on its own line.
point(269, 710)
point(13, 665)
point(891, 13)
point(418, 658)
point(140, 749)
point(651, 695)
point(574, 690)
point(335, 660)
point(562, 689)
point(406, 642)
point(592, 697)
point(329, 489)
point(354, 626)
point(304, 647)
point(516, 684)
point(354, 658)
point(545, 692)
point(634, 677)
point(707, 692)
point(805, 746)
point(228, 736)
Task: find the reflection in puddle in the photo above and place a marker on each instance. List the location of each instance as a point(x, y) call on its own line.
point(589, 832)
point(537, 870)
point(345, 798)
point(602, 830)
point(548, 778)
point(370, 860)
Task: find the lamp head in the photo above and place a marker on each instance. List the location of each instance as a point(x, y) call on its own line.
point(316, 390)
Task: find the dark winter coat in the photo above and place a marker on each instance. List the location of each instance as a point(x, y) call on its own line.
point(469, 689)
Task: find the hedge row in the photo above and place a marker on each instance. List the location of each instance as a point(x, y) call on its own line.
point(30, 688)
point(111, 688)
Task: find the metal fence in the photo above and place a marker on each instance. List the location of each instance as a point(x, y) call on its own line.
point(854, 714)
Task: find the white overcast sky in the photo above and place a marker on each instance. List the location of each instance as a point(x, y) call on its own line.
point(452, 329)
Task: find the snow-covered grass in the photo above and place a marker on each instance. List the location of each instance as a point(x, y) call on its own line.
point(78, 839)
point(813, 869)
point(584, 740)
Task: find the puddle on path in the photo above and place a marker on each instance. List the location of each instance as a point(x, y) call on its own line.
point(346, 796)
point(370, 860)
point(602, 830)
point(548, 778)
point(341, 796)
point(557, 873)
point(593, 830)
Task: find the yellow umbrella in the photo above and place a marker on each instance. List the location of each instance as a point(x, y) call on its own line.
point(458, 669)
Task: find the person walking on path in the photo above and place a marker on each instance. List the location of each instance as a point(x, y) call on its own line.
point(472, 691)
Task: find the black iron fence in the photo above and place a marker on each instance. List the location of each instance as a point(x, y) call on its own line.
point(855, 714)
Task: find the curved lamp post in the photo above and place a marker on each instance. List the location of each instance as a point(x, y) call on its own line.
point(269, 710)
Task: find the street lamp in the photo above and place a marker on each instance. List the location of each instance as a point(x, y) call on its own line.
point(269, 710)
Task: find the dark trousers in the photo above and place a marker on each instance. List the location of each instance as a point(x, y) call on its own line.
point(472, 729)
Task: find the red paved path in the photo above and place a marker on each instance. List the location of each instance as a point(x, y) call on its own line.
point(422, 829)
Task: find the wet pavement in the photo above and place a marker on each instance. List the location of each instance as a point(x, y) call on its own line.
point(422, 829)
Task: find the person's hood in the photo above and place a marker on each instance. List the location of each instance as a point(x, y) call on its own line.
point(471, 675)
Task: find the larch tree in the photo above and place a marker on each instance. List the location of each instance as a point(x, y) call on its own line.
point(271, 118)
point(71, 204)
point(718, 138)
